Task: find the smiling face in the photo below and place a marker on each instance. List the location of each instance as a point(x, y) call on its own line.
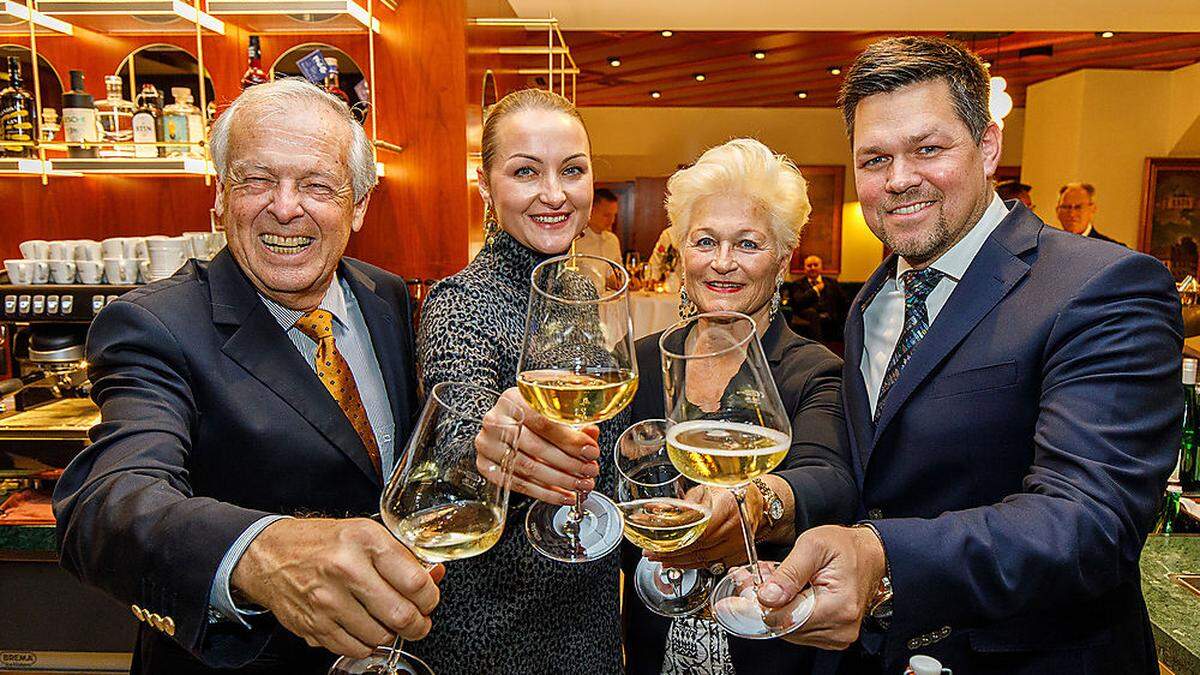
point(730, 256)
point(287, 205)
point(922, 179)
point(540, 183)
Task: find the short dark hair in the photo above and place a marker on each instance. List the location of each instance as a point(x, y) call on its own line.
point(604, 195)
point(897, 62)
point(1086, 187)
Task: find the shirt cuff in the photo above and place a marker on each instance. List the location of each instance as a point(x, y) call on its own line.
point(220, 603)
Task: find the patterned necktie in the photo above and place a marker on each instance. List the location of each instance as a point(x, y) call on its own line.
point(335, 374)
point(918, 284)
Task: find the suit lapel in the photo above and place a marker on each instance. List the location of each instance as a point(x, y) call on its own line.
point(390, 346)
point(261, 346)
point(855, 401)
point(993, 273)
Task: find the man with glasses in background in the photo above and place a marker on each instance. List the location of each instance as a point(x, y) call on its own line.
point(1077, 208)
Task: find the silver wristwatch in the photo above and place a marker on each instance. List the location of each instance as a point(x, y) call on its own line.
point(772, 504)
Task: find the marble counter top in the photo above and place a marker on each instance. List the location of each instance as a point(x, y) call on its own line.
point(1174, 610)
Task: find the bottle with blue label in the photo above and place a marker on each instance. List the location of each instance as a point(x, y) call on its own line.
point(175, 123)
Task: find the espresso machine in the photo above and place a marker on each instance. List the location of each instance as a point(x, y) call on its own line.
point(49, 622)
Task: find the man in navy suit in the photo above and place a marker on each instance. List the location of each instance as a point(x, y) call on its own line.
point(275, 381)
point(1076, 209)
point(1013, 398)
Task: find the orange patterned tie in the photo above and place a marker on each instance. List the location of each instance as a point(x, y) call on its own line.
point(335, 374)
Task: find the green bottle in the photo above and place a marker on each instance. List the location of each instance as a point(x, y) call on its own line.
point(1189, 462)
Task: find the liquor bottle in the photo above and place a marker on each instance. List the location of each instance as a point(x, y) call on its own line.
point(50, 126)
point(1189, 461)
point(195, 126)
point(175, 123)
point(116, 119)
point(147, 121)
point(17, 116)
point(254, 73)
point(331, 80)
point(79, 117)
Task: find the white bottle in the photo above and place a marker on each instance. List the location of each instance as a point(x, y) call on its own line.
point(195, 126)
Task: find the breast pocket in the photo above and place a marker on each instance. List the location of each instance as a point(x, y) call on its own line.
point(974, 380)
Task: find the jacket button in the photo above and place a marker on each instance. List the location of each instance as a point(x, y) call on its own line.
point(168, 626)
point(137, 612)
point(875, 514)
point(156, 621)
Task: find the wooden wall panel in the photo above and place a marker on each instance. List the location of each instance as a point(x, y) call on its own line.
point(416, 225)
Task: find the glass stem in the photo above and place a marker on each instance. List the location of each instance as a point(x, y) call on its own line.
point(739, 494)
point(393, 662)
point(576, 516)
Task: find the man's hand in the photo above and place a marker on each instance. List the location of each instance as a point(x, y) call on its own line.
point(722, 539)
point(553, 460)
point(344, 585)
point(844, 565)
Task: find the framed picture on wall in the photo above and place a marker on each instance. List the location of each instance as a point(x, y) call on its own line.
point(1170, 227)
point(823, 234)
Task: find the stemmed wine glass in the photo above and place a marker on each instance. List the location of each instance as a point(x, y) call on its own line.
point(728, 427)
point(657, 518)
point(577, 367)
point(437, 503)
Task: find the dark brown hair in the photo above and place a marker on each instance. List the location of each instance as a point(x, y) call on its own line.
point(522, 99)
point(891, 64)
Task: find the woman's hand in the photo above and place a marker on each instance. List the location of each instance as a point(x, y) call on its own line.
point(722, 539)
point(553, 460)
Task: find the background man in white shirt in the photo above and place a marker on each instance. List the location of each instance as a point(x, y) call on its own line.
point(597, 238)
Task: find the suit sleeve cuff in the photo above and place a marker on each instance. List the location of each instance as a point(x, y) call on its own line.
point(220, 601)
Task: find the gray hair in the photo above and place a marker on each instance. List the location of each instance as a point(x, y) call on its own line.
point(1086, 187)
point(284, 96)
point(745, 167)
point(897, 62)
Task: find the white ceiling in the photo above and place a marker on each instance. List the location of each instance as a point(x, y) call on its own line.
point(859, 15)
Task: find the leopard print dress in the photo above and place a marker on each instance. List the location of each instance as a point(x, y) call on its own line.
point(511, 610)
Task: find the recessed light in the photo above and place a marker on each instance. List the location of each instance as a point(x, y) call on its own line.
point(655, 94)
point(760, 55)
point(834, 70)
point(614, 61)
point(700, 77)
point(802, 94)
point(667, 33)
point(1105, 34)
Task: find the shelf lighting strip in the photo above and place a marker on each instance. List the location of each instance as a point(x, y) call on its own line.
point(20, 11)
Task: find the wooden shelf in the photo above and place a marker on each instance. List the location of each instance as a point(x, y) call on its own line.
point(300, 17)
point(134, 17)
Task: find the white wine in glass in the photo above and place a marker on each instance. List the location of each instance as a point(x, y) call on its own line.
point(437, 503)
point(577, 367)
point(728, 427)
point(659, 519)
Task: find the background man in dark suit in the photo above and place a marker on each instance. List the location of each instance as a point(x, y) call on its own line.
point(1013, 402)
point(275, 381)
point(1076, 209)
point(818, 304)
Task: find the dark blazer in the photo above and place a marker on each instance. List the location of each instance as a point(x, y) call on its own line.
point(1095, 234)
point(817, 467)
point(822, 314)
point(211, 420)
point(1020, 457)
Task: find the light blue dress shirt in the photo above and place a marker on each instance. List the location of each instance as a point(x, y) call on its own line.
point(883, 319)
point(353, 341)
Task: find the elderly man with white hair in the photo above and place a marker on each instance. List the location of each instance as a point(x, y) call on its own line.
point(251, 407)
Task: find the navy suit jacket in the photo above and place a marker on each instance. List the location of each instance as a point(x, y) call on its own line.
point(211, 420)
point(1018, 462)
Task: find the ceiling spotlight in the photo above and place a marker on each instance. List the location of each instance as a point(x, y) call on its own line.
point(667, 33)
point(834, 70)
point(700, 77)
point(655, 94)
point(760, 55)
point(802, 94)
point(1105, 34)
point(614, 61)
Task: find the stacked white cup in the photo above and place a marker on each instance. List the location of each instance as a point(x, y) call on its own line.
point(164, 256)
point(121, 259)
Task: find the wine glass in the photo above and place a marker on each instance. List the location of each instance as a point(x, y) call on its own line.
point(577, 367)
point(651, 493)
point(437, 503)
point(728, 426)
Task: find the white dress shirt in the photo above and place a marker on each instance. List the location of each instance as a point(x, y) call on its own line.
point(883, 319)
point(603, 244)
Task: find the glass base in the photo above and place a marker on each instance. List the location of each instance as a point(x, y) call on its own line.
point(671, 592)
point(597, 534)
point(735, 606)
point(376, 664)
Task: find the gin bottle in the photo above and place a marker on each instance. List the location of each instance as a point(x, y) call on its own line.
point(116, 120)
